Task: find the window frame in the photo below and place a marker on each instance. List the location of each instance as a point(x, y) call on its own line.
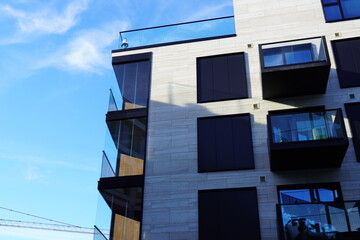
point(339, 4)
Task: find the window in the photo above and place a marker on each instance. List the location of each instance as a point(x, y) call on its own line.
point(225, 143)
point(306, 126)
point(221, 77)
point(228, 214)
point(347, 58)
point(310, 193)
point(127, 148)
point(316, 211)
point(353, 114)
point(337, 10)
point(278, 56)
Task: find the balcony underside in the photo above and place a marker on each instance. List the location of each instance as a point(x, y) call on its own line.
point(308, 154)
point(295, 80)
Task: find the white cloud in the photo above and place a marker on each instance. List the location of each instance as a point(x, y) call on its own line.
point(89, 51)
point(47, 20)
point(33, 173)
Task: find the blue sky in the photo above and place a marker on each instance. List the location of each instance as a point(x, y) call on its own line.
point(55, 77)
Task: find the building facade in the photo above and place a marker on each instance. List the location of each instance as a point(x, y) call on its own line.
point(247, 132)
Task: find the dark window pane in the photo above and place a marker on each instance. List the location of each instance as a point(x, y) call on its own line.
point(332, 12)
point(347, 58)
point(351, 8)
point(221, 77)
point(353, 114)
point(228, 214)
point(225, 143)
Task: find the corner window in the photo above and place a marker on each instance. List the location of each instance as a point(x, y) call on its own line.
point(229, 214)
point(338, 10)
point(225, 143)
point(347, 58)
point(221, 77)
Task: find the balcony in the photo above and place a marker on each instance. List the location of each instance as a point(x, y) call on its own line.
point(294, 68)
point(177, 33)
point(307, 140)
point(327, 220)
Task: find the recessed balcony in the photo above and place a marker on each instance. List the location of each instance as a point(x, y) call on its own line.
point(307, 140)
point(326, 220)
point(294, 68)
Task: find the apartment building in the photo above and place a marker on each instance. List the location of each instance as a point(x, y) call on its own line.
point(240, 127)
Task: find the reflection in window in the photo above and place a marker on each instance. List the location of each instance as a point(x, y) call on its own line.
point(341, 9)
point(279, 56)
point(308, 195)
point(133, 80)
point(306, 126)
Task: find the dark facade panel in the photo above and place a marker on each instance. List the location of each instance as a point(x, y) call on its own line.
point(353, 115)
point(306, 140)
point(221, 77)
point(225, 143)
point(229, 214)
point(294, 68)
point(347, 58)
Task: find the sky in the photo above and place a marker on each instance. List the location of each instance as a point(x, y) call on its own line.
point(55, 75)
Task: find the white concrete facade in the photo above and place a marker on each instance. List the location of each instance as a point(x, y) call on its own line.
point(171, 177)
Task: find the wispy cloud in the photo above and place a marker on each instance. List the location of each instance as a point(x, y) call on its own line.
point(47, 19)
point(211, 11)
point(33, 173)
point(88, 51)
point(40, 160)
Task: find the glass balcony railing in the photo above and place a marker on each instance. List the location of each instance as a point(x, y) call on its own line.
point(112, 103)
point(330, 220)
point(293, 52)
point(106, 168)
point(103, 220)
point(98, 234)
point(307, 126)
point(173, 33)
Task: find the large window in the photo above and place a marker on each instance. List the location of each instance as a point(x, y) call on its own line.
point(225, 143)
point(347, 58)
point(337, 10)
point(228, 214)
point(221, 77)
point(306, 126)
point(353, 114)
point(133, 80)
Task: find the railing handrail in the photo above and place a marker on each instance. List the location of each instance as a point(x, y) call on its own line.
point(175, 24)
